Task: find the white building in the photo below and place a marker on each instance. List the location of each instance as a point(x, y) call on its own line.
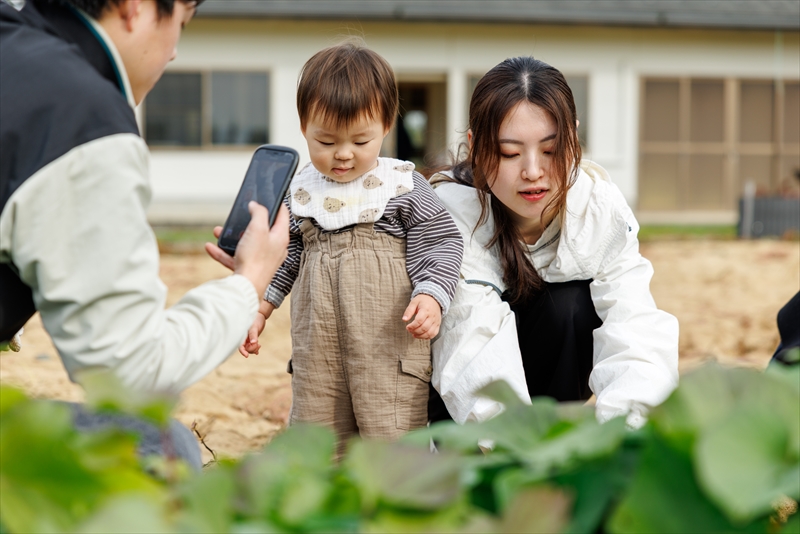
point(682, 101)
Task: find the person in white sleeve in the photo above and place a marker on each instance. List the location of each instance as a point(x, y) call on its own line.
point(75, 243)
point(554, 295)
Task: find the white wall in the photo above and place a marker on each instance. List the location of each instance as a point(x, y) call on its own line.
point(613, 58)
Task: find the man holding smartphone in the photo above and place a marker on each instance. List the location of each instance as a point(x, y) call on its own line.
point(75, 243)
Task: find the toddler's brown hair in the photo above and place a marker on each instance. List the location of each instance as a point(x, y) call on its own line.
point(344, 82)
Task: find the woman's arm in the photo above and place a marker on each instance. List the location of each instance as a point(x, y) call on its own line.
point(477, 345)
point(636, 348)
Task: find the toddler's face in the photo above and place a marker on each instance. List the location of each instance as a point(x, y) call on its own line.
point(344, 154)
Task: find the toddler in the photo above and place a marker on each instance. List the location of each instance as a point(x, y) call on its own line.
point(373, 259)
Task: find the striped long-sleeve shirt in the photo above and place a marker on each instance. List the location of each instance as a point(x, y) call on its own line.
point(434, 245)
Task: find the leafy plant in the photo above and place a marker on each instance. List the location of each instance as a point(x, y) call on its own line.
point(716, 456)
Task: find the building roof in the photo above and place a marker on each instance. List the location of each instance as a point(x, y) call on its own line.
point(729, 14)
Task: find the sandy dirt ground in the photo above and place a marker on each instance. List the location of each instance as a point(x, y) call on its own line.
point(725, 294)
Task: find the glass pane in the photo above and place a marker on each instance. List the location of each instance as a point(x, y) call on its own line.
point(707, 110)
point(173, 110)
point(580, 93)
point(658, 182)
point(239, 108)
point(757, 169)
point(705, 182)
point(791, 113)
point(660, 111)
point(756, 111)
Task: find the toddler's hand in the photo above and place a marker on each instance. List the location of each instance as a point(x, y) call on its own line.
point(251, 344)
point(427, 317)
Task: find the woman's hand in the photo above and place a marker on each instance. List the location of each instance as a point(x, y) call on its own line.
point(427, 316)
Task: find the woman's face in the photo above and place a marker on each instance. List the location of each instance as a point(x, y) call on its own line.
point(524, 182)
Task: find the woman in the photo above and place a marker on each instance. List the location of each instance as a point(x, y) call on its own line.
point(554, 296)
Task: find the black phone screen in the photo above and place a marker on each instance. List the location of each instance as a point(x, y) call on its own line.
point(266, 182)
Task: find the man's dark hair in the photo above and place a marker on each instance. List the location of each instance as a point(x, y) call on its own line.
point(95, 8)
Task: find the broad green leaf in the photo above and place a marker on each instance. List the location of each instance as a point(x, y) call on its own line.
point(792, 525)
point(300, 451)
point(451, 518)
point(744, 464)
point(255, 527)
point(10, 397)
point(500, 391)
point(704, 396)
point(403, 475)
point(517, 428)
point(597, 486)
point(538, 509)
point(664, 497)
point(787, 373)
point(303, 498)
point(711, 393)
point(105, 392)
point(587, 441)
point(208, 500)
point(57, 476)
point(128, 514)
point(309, 445)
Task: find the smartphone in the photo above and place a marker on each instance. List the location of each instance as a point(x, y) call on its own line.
point(266, 182)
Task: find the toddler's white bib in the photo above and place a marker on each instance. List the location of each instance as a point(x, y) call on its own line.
point(335, 205)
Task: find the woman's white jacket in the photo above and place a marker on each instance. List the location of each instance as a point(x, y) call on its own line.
point(635, 350)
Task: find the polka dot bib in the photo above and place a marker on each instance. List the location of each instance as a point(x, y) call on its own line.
point(334, 205)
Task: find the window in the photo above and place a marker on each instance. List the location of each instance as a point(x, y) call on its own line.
point(193, 109)
point(702, 139)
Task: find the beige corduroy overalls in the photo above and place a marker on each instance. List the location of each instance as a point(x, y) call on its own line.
point(355, 366)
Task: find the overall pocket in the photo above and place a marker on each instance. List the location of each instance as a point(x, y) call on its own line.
point(411, 403)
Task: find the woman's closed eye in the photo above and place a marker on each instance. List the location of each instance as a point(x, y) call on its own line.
point(507, 155)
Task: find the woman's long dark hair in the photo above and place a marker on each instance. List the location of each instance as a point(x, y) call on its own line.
point(515, 80)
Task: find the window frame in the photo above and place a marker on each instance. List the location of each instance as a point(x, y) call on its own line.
point(206, 113)
point(731, 148)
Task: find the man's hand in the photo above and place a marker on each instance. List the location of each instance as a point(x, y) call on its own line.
point(427, 316)
point(260, 251)
point(251, 345)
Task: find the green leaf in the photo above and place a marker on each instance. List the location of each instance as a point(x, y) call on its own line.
point(744, 463)
point(704, 396)
point(53, 477)
point(403, 475)
point(311, 446)
point(303, 498)
point(500, 391)
point(788, 373)
point(105, 392)
point(208, 499)
point(10, 397)
point(664, 497)
point(587, 441)
point(128, 514)
point(597, 486)
point(538, 509)
point(709, 394)
point(301, 451)
point(792, 525)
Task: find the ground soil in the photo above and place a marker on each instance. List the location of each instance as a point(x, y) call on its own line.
point(725, 294)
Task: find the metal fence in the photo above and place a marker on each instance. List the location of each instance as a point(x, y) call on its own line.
point(768, 216)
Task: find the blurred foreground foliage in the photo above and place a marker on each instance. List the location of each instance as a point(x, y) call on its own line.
point(722, 454)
